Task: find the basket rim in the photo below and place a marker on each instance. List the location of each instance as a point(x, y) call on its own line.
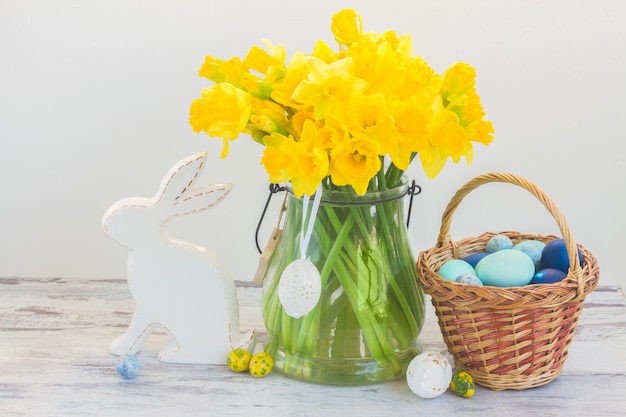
point(466, 297)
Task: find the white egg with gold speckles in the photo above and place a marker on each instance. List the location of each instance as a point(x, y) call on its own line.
point(299, 288)
point(429, 374)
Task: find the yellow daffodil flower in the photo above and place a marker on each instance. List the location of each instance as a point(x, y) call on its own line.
point(411, 119)
point(255, 86)
point(327, 85)
point(223, 111)
point(324, 52)
point(401, 45)
point(295, 73)
point(301, 162)
point(211, 69)
point(346, 26)
point(298, 119)
point(369, 115)
point(459, 96)
point(354, 162)
point(276, 157)
point(259, 60)
point(271, 63)
point(332, 133)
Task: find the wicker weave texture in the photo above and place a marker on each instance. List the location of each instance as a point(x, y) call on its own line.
point(507, 337)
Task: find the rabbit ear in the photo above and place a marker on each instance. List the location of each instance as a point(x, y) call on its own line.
point(180, 179)
point(200, 198)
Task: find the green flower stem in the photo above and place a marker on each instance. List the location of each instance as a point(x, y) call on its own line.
point(387, 235)
point(390, 229)
point(307, 339)
point(381, 176)
point(372, 332)
point(393, 174)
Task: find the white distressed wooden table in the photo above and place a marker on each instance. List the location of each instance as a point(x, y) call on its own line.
point(54, 335)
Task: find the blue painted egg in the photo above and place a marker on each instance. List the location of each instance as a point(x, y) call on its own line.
point(506, 268)
point(554, 255)
point(469, 279)
point(452, 268)
point(474, 258)
point(532, 251)
point(548, 276)
point(539, 244)
point(499, 242)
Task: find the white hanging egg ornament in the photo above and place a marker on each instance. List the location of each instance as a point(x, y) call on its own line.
point(299, 288)
point(429, 374)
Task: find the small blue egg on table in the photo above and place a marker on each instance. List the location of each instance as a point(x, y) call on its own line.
point(469, 279)
point(452, 268)
point(474, 258)
point(548, 276)
point(506, 268)
point(554, 255)
point(499, 242)
point(128, 366)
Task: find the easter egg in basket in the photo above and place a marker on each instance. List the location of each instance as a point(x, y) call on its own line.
point(506, 268)
point(548, 276)
point(554, 255)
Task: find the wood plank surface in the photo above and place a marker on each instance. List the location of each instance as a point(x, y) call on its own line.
point(54, 335)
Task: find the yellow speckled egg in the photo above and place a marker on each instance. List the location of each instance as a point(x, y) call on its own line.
point(261, 365)
point(238, 360)
point(463, 384)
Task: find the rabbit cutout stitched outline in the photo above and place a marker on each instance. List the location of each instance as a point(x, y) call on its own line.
point(177, 286)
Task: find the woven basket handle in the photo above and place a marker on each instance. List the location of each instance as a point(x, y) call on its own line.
point(575, 271)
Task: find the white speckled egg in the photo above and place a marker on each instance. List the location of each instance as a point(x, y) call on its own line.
point(499, 242)
point(452, 268)
point(299, 288)
point(469, 279)
point(506, 268)
point(429, 374)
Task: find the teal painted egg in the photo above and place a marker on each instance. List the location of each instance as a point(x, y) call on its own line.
point(498, 243)
point(452, 268)
point(548, 276)
point(506, 268)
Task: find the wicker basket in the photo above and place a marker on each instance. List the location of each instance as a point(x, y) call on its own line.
point(513, 337)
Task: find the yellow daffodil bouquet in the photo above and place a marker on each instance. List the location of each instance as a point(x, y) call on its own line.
point(347, 120)
point(339, 117)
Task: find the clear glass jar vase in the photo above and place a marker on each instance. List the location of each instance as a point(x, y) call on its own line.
point(365, 326)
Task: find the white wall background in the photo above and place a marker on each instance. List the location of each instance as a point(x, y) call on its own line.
point(94, 99)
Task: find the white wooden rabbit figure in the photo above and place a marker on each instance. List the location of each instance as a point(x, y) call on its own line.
point(177, 285)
